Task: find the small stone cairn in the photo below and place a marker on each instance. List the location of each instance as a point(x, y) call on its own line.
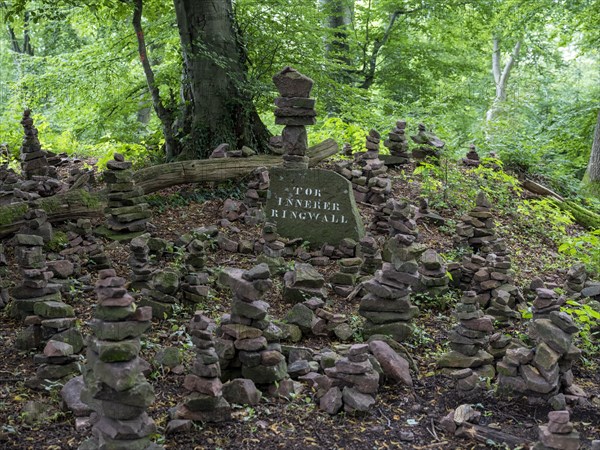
point(576, 278)
point(248, 343)
point(302, 283)
point(139, 261)
point(256, 196)
point(56, 363)
point(380, 223)
point(467, 359)
point(398, 144)
point(476, 228)
point(127, 211)
point(429, 145)
point(347, 150)
point(195, 288)
point(347, 276)
point(377, 185)
point(371, 255)
point(273, 246)
point(472, 158)
point(542, 370)
point(161, 295)
point(33, 158)
point(424, 214)
point(352, 383)
point(36, 223)
point(386, 306)
point(85, 248)
point(295, 110)
point(9, 181)
point(205, 402)
point(115, 387)
point(433, 276)
point(558, 434)
point(314, 318)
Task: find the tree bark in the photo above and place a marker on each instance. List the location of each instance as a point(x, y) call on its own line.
point(164, 114)
point(214, 62)
point(79, 203)
point(340, 14)
point(501, 77)
point(591, 179)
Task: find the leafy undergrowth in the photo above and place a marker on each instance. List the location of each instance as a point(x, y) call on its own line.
point(402, 418)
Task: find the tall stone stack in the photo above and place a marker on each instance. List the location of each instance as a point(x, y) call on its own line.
point(543, 370)
point(127, 211)
point(378, 185)
point(386, 306)
point(398, 144)
point(205, 402)
point(468, 340)
point(352, 383)
point(295, 110)
point(429, 145)
point(256, 196)
point(33, 158)
point(370, 254)
point(115, 387)
point(248, 342)
point(558, 434)
point(139, 261)
point(380, 222)
point(476, 228)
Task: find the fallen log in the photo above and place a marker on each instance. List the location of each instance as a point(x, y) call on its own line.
point(490, 436)
point(79, 203)
point(155, 178)
point(539, 189)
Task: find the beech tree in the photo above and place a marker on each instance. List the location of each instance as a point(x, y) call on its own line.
point(591, 180)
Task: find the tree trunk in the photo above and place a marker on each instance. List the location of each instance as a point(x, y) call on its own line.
point(164, 114)
point(501, 78)
point(591, 179)
point(339, 20)
point(222, 110)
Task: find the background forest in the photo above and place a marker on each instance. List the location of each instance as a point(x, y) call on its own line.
point(518, 78)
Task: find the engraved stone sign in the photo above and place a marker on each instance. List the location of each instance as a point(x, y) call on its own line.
point(316, 205)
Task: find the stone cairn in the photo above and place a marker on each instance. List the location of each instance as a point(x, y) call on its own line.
point(115, 387)
point(397, 143)
point(195, 288)
point(36, 223)
point(558, 434)
point(9, 181)
point(205, 402)
point(380, 222)
point(161, 295)
point(433, 276)
point(386, 306)
point(352, 383)
point(33, 158)
point(127, 211)
point(256, 196)
point(472, 158)
point(139, 261)
point(467, 360)
point(84, 247)
point(544, 369)
point(429, 145)
point(313, 318)
point(347, 150)
point(347, 276)
point(273, 246)
point(248, 342)
point(302, 283)
point(476, 228)
point(576, 278)
point(295, 110)
point(371, 255)
point(424, 214)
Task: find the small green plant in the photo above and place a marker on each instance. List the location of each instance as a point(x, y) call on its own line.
point(58, 242)
point(588, 321)
point(585, 248)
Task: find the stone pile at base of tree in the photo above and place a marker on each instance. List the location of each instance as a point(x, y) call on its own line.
point(127, 210)
point(115, 387)
point(205, 402)
point(248, 342)
point(558, 434)
point(295, 110)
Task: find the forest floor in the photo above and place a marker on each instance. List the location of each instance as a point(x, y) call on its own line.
point(401, 418)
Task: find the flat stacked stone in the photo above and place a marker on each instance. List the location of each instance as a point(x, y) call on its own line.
point(424, 214)
point(273, 246)
point(398, 144)
point(33, 158)
point(9, 181)
point(429, 145)
point(476, 228)
point(380, 221)
point(295, 110)
point(115, 387)
point(472, 158)
point(85, 248)
point(36, 223)
point(248, 342)
point(139, 262)
point(313, 318)
point(377, 185)
point(347, 276)
point(302, 283)
point(127, 210)
point(433, 274)
point(205, 402)
point(352, 383)
point(256, 196)
point(195, 288)
point(57, 363)
point(370, 254)
point(558, 434)
point(543, 370)
point(161, 295)
point(468, 340)
point(386, 306)
point(575, 282)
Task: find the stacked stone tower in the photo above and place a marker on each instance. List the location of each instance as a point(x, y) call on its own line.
point(398, 144)
point(33, 158)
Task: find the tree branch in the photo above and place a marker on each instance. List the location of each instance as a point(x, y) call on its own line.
point(496, 60)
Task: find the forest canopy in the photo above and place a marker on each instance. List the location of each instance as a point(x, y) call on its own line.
point(520, 79)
